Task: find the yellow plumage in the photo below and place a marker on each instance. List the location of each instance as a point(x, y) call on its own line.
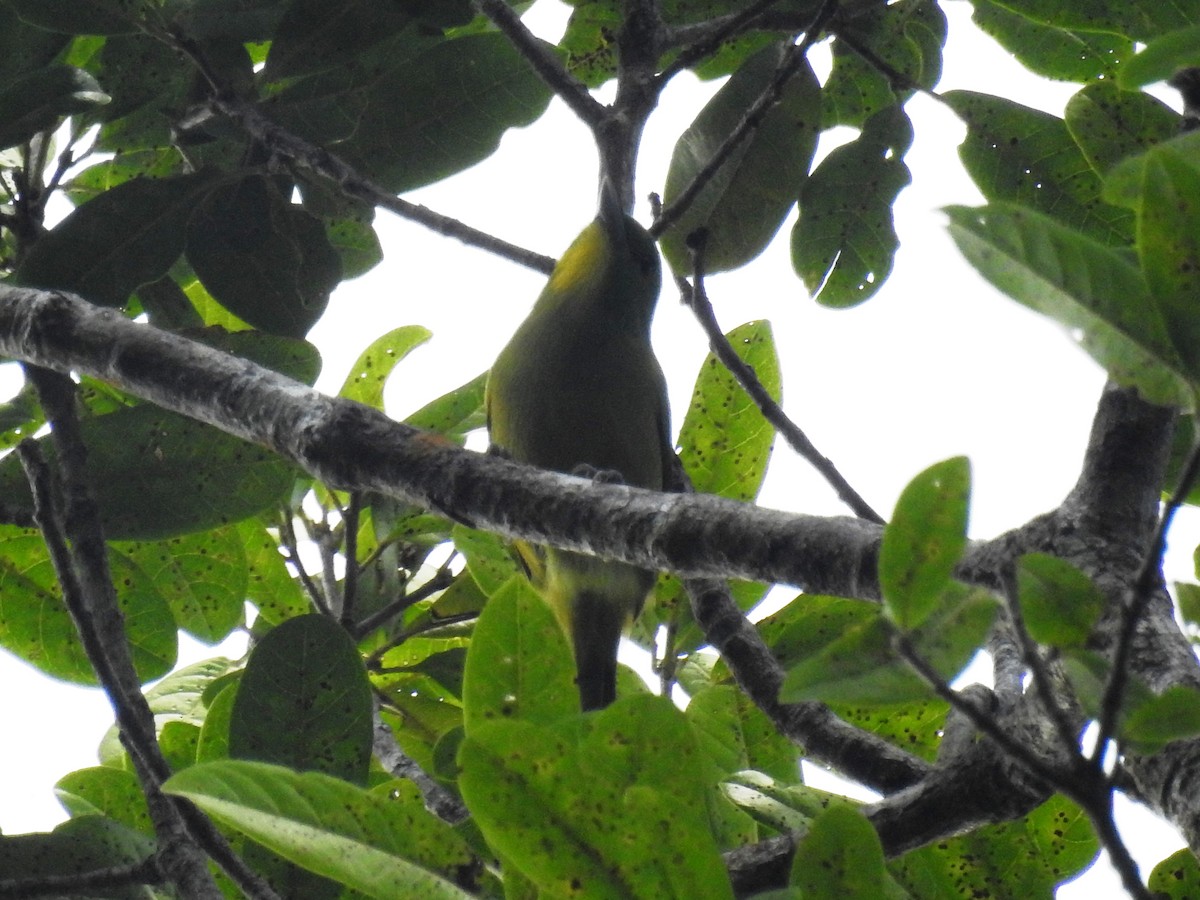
point(578, 388)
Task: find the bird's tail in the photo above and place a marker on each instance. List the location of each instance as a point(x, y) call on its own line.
point(596, 623)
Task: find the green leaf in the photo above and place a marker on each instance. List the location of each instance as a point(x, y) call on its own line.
point(78, 846)
point(409, 113)
point(304, 701)
point(844, 241)
point(519, 665)
point(243, 20)
point(1086, 286)
point(735, 734)
point(1051, 50)
point(860, 667)
point(23, 47)
point(841, 856)
point(315, 35)
point(107, 791)
point(370, 842)
point(77, 16)
point(1015, 153)
point(275, 594)
point(112, 245)
point(375, 364)
point(203, 578)
point(455, 413)
point(1059, 603)
point(745, 202)
point(1139, 21)
point(725, 442)
point(1168, 243)
point(177, 698)
point(1054, 843)
point(356, 243)
point(37, 101)
point(35, 624)
point(489, 560)
point(907, 36)
point(1161, 58)
point(263, 258)
point(608, 805)
point(924, 541)
point(1109, 124)
point(811, 621)
point(1171, 716)
point(1177, 877)
point(158, 474)
point(778, 804)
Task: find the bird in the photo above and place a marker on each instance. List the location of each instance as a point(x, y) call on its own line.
point(578, 390)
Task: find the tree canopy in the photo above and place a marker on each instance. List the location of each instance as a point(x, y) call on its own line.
point(406, 723)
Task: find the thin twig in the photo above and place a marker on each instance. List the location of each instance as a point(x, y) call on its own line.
point(351, 516)
point(695, 298)
point(789, 65)
point(1068, 734)
point(548, 67)
point(143, 872)
point(441, 580)
point(712, 34)
point(292, 545)
point(321, 162)
point(82, 569)
point(438, 800)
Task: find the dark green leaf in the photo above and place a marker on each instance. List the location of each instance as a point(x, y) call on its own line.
point(1084, 285)
point(264, 259)
point(724, 441)
point(37, 101)
point(1015, 153)
point(844, 242)
point(304, 701)
point(357, 243)
point(1051, 50)
point(745, 202)
point(78, 846)
point(735, 734)
point(1162, 58)
point(315, 35)
point(23, 47)
point(123, 239)
point(78, 16)
point(924, 541)
point(242, 20)
point(906, 36)
point(1109, 124)
point(158, 474)
point(1059, 603)
point(412, 113)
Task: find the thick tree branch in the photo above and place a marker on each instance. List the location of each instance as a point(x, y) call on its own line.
point(353, 447)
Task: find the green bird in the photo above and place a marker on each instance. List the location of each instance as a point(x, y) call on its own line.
point(578, 390)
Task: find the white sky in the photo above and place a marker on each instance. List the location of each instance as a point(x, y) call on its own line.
point(937, 364)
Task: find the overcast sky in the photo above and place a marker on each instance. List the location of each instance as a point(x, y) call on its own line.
point(937, 364)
